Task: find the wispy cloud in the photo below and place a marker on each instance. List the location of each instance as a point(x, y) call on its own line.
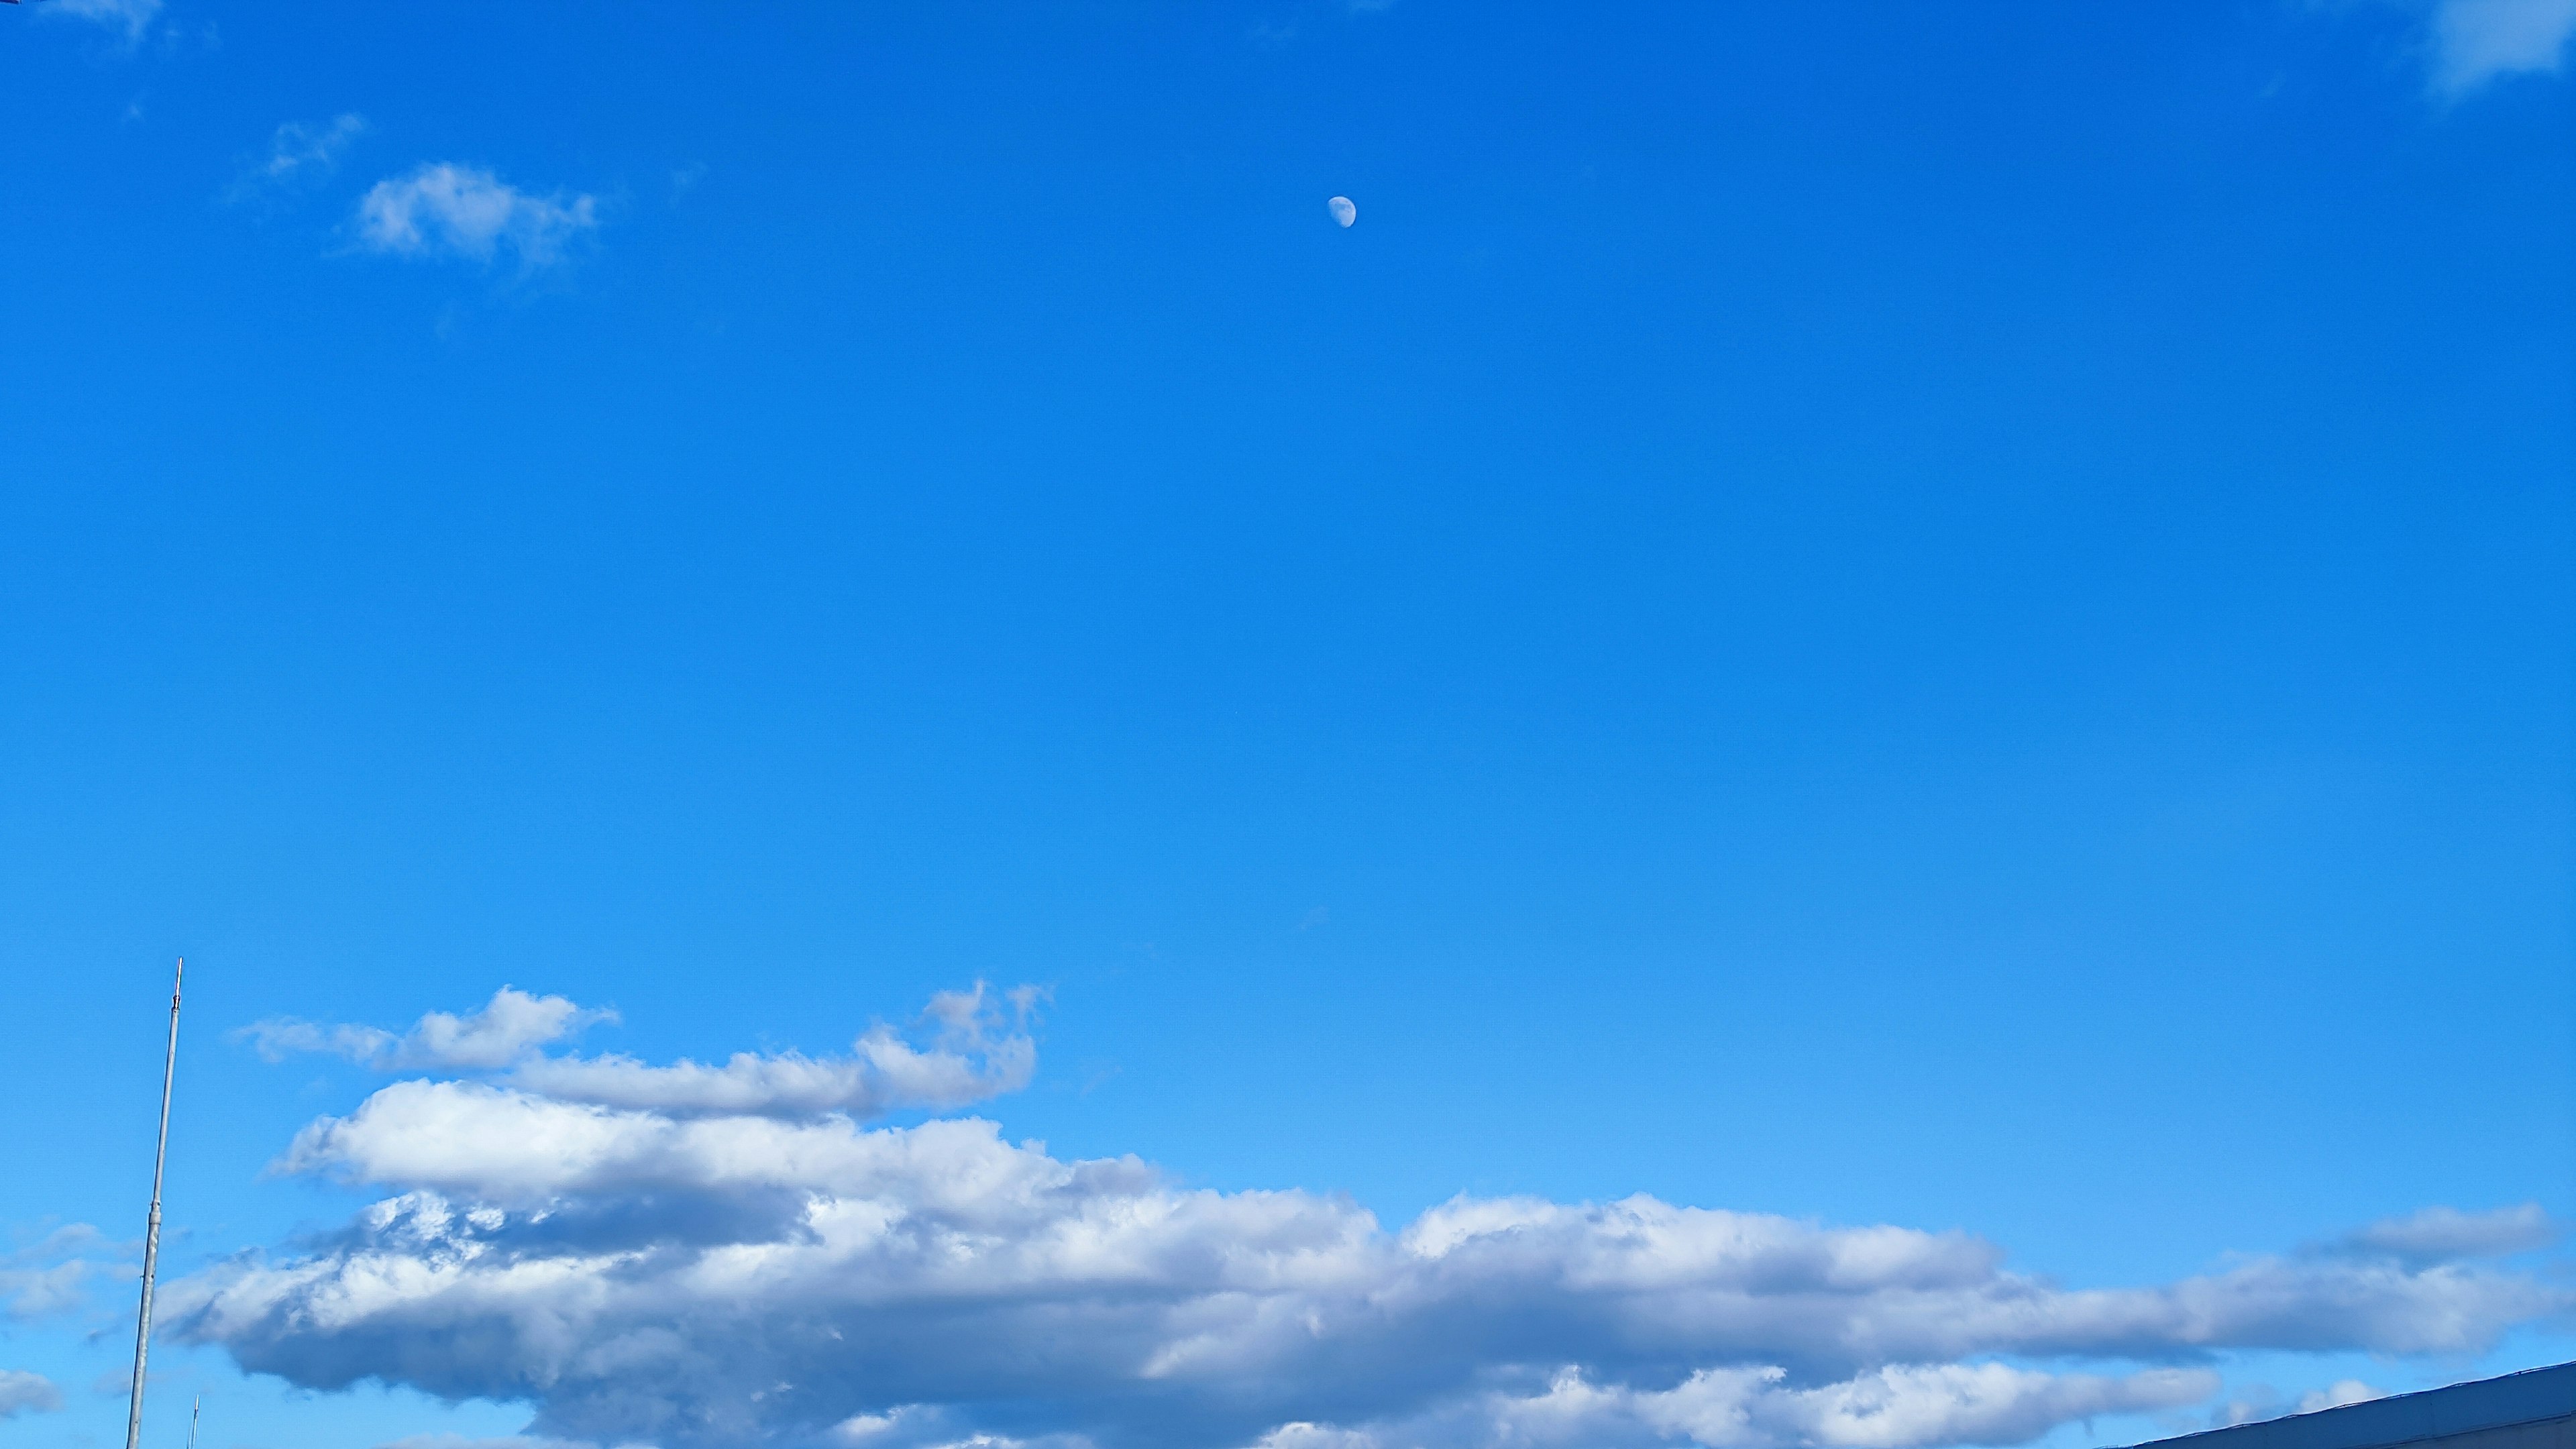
point(298, 153)
point(2441, 1234)
point(460, 1441)
point(131, 16)
point(965, 1047)
point(700, 1256)
point(974, 1045)
point(508, 1029)
point(25, 1393)
point(452, 210)
point(47, 1277)
point(2476, 41)
point(1986, 1403)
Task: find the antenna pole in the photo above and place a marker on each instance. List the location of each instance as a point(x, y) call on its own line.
point(152, 1228)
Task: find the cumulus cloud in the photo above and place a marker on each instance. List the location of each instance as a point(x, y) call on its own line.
point(25, 1393)
point(716, 1256)
point(298, 153)
point(2475, 41)
point(447, 209)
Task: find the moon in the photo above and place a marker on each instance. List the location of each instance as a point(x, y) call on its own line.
point(1342, 210)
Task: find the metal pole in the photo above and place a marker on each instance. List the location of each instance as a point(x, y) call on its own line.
point(194, 1405)
point(152, 1228)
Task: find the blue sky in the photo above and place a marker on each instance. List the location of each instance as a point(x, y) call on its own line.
point(1937, 637)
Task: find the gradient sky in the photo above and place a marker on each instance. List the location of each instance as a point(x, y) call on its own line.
point(1953, 616)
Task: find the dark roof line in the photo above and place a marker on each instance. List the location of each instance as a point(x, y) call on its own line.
point(2529, 1397)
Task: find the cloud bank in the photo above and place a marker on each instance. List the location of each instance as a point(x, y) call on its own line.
point(2476, 41)
point(444, 209)
point(697, 1256)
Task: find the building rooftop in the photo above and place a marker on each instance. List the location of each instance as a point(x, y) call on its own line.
point(2536, 1407)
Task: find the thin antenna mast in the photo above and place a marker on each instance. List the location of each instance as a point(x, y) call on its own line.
point(152, 1228)
point(194, 1405)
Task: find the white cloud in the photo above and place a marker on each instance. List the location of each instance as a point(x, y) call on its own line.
point(1888, 1408)
point(25, 1393)
point(47, 1277)
point(2339, 1393)
point(2475, 41)
point(131, 16)
point(298, 152)
point(34, 1292)
point(1302, 1435)
point(509, 1028)
point(973, 1054)
point(696, 1256)
point(2437, 1234)
point(460, 1441)
point(973, 1045)
point(447, 209)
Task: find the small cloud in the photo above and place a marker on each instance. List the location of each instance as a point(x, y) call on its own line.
point(300, 153)
point(460, 1441)
point(2446, 1234)
point(2337, 1394)
point(48, 1277)
point(446, 209)
point(131, 16)
point(966, 1047)
point(2476, 41)
point(71, 1237)
point(37, 1292)
point(1303, 1435)
point(25, 1393)
point(868, 1429)
point(2256, 1401)
point(1314, 918)
point(510, 1027)
point(117, 1383)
